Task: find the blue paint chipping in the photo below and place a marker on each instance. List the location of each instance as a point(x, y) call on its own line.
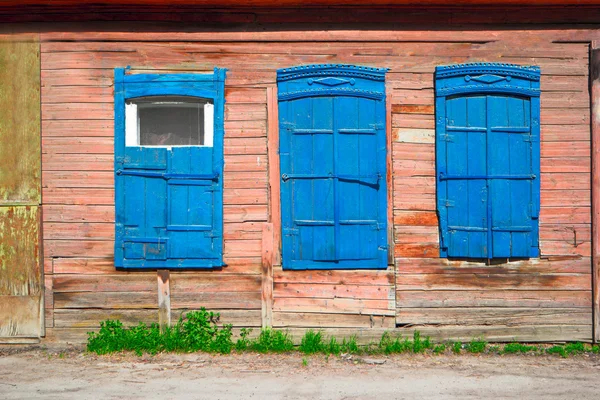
point(169, 200)
point(333, 165)
point(488, 160)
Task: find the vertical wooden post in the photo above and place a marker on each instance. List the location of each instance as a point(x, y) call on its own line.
point(267, 276)
point(164, 298)
point(595, 108)
point(274, 172)
point(389, 175)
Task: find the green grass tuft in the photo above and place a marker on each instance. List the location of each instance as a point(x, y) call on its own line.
point(476, 346)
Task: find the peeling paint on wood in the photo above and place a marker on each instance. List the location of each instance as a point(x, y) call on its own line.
point(19, 122)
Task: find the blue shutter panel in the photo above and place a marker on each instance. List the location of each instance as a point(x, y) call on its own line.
point(168, 200)
point(333, 155)
point(488, 160)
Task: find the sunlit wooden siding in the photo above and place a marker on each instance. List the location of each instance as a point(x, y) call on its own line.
point(546, 299)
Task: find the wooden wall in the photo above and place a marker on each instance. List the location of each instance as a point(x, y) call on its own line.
point(545, 299)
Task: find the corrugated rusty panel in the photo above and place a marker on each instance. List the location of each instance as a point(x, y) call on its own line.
point(20, 122)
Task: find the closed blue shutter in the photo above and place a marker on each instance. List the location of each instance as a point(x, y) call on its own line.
point(333, 164)
point(487, 154)
point(168, 200)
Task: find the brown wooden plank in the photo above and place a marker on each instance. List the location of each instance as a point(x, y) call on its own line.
point(494, 298)
point(79, 196)
point(415, 218)
point(336, 305)
point(340, 277)
point(106, 300)
point(77, 230)
point(219, 300)
point(274, 172)
point(20, 316)
point(123, 282)
point(329, 291)
point(315, 320)
point(82, 266)
point(214, 283)
point(78, 213)
point(494, 316)
point(518, 282)
point(79, 248)
point(532, 266)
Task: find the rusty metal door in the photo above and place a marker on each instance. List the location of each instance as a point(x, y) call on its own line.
point(21, 281)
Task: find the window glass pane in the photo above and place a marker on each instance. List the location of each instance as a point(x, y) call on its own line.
point(172, 120)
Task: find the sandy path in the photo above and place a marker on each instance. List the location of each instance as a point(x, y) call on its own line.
point(73, 375)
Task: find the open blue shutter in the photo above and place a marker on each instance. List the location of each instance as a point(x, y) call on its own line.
point(487, 152)
point(333, 164)
point(168, 200)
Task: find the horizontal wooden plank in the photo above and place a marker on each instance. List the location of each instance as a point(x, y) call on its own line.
point(565, 164)
point(413, 151)
point(336, 305)
point(106, 300)
point(78, 179)
point(564, 133)
point(516, 282)
point(579, 248)
point(558, 198)
point(494, 298)
point(79, 248)
point(78, 111)
point(415, 218)
point(530, 266)
point(245, 196)
point(568, 215)
point(77, 162)
point(570, 233)
point(383, 278)
point(565, 181)
point(217, 300)
point(78, 196)
point(494, 316)
point(330, 291)
point(425, 250)
point(82, 266)
point(248, 213)
point(315, 320)
point(77, 145)
point(69, 318)
point(77, 230)
point(562, 149)
point(78, 213)
point(122, 282)
point(214, 283)
point(78, 128)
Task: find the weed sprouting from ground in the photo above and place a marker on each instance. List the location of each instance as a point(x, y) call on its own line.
point(272, 341)
point(476, 346)
point(519, 348)
point(312, 342)
point(456, 347)
point(200, 331)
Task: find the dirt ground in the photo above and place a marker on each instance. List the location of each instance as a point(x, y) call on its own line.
point(73, 374)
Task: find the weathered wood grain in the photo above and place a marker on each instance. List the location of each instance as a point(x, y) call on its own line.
point(267, 276)
point(326, 320)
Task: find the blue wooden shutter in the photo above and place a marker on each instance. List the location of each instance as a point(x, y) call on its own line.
point(168, 200)
point(333, 164)
point(487, 156)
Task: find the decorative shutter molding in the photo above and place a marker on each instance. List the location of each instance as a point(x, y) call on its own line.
point(333, 164)
point(490, 169)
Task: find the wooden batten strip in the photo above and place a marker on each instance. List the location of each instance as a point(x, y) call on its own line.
point(267, 276)
point(274, 171)
point(595, 100)
point(164, 298)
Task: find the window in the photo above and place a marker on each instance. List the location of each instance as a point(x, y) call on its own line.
point(333, 164)
point(488, 157)
point(168, 170)
point(169, 121)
